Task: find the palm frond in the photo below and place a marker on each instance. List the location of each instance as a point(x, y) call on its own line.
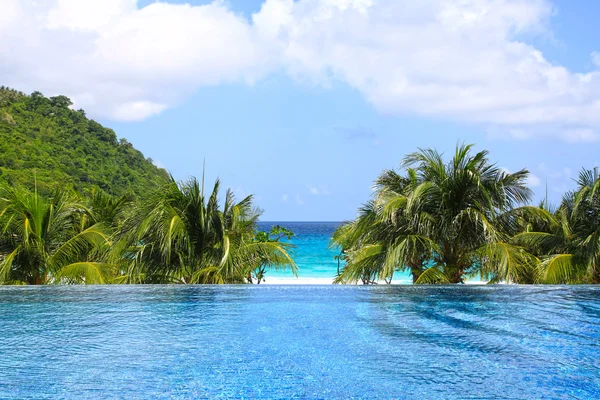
point(431, 276)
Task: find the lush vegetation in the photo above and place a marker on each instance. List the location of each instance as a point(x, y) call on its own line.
point(79, 206)
point(44, 138)
point(178, 234)
point(446, 221)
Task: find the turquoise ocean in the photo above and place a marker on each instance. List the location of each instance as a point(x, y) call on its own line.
point(311, 250)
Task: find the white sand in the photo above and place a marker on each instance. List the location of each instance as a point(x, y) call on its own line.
point(329, 281)
point(297, 281)
point(311, 281)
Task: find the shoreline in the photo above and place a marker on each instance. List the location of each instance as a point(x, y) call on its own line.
point(329, 281)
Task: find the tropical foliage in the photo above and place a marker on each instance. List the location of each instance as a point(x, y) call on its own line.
point(134, 224)
point(45, 241)
point(62, 148)
point(178, 234)
point(272, 240)
point(446, 221)
point(79, 206)
point(567, 241)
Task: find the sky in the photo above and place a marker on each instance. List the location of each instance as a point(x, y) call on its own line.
point(303, 103)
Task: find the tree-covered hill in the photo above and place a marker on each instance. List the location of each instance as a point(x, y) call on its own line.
point(43, 140)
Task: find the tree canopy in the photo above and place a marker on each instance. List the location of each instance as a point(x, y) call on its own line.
point(43, 138)
point(79, 206)
point(178, 233)
point(444, 221)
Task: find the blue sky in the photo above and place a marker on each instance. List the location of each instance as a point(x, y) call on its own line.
point(305, 118)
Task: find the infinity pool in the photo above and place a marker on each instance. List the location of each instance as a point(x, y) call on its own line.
point(146, 342)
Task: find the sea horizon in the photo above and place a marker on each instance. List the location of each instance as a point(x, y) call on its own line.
point(316, 262)
point(310, 252)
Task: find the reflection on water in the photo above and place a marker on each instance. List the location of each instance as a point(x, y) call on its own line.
point(300, 342)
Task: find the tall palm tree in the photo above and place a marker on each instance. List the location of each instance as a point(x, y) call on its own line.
point(442, 220)
point(384, 237)
point(179, 234)
point(41, 240)
point(466, 197)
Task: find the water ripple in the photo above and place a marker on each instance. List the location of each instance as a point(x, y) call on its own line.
point(145, 342)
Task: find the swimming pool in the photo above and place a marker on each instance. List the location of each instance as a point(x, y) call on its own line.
point(143, 342)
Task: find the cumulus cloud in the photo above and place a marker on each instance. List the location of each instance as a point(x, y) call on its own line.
point(457, 60)
point(465, 61)
point(125, 63)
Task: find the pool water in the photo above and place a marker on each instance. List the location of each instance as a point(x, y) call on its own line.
point(147, 342)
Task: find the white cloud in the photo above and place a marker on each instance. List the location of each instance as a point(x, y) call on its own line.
point(285, 197)
point(87, 15)
point(596, 58)
point(136, 110)
point(299, 200)
point(159, 164)
point(125, 63)
point(8, 17)
point(318, 190)
point(464, 61)
point(457, 60)
point(533, 180)
point(580, 135)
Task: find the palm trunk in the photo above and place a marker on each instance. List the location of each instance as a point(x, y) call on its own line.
point(455, 275)
point(454, 271)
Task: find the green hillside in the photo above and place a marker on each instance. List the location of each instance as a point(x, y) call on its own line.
point(43, 140)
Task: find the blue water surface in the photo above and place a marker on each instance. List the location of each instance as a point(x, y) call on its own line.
point(186, 342)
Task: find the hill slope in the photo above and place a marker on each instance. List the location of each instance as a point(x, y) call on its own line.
point(43, 138)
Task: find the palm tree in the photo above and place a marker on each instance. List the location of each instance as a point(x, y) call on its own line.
point(181, 235)
point(567, 241)
point(270, 259)
point(586, 215)
point(41, 241)
point(442, 220)
point(466, 198)
point(361, 249)
point(384, 237)
point(104, 208)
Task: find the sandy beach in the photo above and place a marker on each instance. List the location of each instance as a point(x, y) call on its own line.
point(329, 281)
point(314, 281)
